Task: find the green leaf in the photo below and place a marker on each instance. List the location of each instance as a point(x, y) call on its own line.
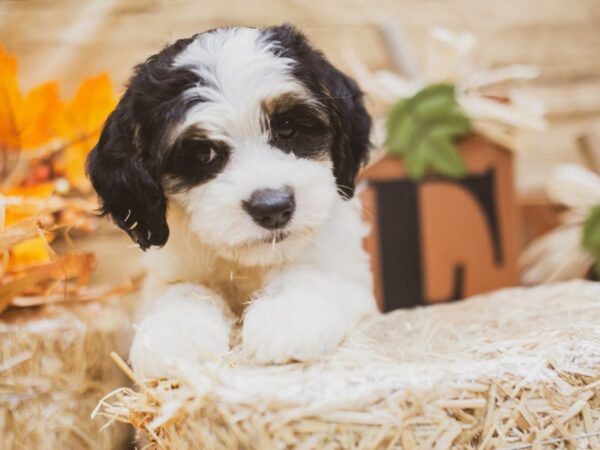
point(396, 117)
point(591, 232)
point(435, 90)
point(444, 157)
point(397, 111)
point(451, 127)
point(399, 140)
point(434, 102)
point(423, 129)
point(416, 163)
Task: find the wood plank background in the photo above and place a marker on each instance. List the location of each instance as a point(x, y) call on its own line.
point(71, 39)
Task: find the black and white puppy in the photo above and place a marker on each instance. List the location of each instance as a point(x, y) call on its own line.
point(233, 154)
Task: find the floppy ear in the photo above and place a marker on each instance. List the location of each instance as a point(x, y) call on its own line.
point(341, 96)
point(351, 145)
point(128, 186)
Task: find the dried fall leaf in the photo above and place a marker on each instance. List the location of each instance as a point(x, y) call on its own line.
point(83, 294)
point(81, 123)
point(32, 250)
point(13, 288)
point(10, 98)
point(37, 116)
point(28, 216)
point(26, 122)
point(31, 197)
point(16, 212)
point(19, 232)
point(39, 190)
point(28, 252)
point(76, 266)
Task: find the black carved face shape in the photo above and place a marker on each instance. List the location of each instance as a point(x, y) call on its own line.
point(214, 119)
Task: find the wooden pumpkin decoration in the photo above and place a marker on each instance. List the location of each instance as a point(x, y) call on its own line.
point(435, 237)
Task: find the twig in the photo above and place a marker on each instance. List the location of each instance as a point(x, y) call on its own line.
point(127, 370)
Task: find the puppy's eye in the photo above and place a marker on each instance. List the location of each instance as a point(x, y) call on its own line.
point(285, 130)
point(204, 153)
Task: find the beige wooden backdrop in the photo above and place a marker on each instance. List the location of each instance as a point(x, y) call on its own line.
point(70, 39)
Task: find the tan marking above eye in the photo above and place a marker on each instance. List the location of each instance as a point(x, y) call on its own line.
point(282, 102)
point(285, 102)
point(194, 132)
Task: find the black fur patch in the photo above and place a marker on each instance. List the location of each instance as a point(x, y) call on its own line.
point(307, 131)
point(341, 97)
point(186, 168)
point(126, 165)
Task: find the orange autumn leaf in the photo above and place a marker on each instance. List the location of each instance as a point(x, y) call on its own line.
point(10, 98)
point(29, 252)
point(17, 212)
point(19, 232)
point(39, 112)
point(26, 122)
point(39, 190)
point(34, 250)
point(81, 123)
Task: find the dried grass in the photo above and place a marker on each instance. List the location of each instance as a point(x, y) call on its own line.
point(517, 369)
point(54, 367)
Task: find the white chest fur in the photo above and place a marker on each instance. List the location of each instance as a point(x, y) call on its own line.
point(297, 309)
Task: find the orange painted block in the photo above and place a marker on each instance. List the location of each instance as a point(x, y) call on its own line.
point(437, 239)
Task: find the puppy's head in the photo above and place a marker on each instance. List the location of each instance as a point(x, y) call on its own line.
point(250, 131)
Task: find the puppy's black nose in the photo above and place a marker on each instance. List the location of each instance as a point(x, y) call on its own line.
point(271, 208)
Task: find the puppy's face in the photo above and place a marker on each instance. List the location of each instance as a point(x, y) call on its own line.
point(252, 132)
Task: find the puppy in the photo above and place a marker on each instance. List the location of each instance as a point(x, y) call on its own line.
point(232, 159)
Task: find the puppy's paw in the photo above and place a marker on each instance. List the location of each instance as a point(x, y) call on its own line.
point(178, 336)
point(292, 328)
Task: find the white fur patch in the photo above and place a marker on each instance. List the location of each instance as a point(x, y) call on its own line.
point(239, 71)
point(309, 306)
point(297, 324)
point(218, 218)
point(187, 327)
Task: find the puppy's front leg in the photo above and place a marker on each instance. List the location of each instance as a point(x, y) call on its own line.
point(302, 314)
point(187, 325)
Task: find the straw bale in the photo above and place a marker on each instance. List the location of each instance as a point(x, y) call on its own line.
point(54, 367)
point(515, 369)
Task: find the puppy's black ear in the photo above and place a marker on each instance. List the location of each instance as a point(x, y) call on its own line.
point(128, 186)
point(342, 98)
point(353, 126)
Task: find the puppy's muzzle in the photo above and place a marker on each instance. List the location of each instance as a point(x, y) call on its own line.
point(271, 208)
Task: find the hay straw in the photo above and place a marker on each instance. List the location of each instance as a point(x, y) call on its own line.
point(515, 369)
point(54, 367)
